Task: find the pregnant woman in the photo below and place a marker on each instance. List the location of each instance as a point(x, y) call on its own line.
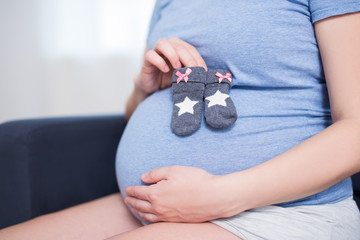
point(281, 171)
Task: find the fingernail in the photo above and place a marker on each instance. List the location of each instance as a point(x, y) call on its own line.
point(166, 69)
point(144, 176)
point(178, 65)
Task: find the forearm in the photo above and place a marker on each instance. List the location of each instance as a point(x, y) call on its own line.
point(310, 167)
point(136, 97)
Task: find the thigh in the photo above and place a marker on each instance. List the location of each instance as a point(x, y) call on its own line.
point(178, 231)
point(98, 219)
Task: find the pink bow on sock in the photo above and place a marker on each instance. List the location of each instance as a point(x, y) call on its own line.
point(184, 76)
point(222, 77)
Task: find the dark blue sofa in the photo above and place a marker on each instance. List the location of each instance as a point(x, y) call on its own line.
point(50, 164)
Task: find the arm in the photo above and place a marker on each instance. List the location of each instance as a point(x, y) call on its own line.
point(136, 97)
point(310, 167)
point(332, 155)
point(157, 68)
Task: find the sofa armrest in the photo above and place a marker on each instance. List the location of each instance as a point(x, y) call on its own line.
point(356, 185)
point(50, 164)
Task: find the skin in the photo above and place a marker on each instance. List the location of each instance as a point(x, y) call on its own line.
point(98, 219)
point(157, 68)
point(312, 166)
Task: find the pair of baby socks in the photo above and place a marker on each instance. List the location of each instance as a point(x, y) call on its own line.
point(190, 87)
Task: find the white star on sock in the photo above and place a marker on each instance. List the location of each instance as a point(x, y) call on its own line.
point(217, 99)
point(186, 106)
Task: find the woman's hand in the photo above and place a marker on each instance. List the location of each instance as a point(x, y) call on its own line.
point(156, 71)
point(159, 63)
point(179, 194)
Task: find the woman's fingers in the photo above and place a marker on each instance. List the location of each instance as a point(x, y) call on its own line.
point(178, 53)
point(139, 205)
point(156, 175)
point(139, 192)
point(185, 56)
point(193, 51)
point(167, 55)
point(165, 48)
point(153, 58)
point(148, 216)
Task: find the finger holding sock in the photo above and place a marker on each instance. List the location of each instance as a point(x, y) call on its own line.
point(188, 85)
point(220, 111)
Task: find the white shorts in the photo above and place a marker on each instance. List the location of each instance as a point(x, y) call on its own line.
point(338, 221)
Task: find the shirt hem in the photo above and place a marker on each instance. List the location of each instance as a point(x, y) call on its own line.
point(330, 12)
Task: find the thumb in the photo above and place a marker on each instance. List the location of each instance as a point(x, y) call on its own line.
point(155, 175)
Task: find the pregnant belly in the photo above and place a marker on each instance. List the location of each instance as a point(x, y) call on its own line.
point(149, 143)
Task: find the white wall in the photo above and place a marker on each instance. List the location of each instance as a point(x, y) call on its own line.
point(69, 57)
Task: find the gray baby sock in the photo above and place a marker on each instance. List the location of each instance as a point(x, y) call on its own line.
point(188, 85)
point(220, 111)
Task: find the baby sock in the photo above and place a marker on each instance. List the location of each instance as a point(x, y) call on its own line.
point(220, 111)
point(188, 85)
